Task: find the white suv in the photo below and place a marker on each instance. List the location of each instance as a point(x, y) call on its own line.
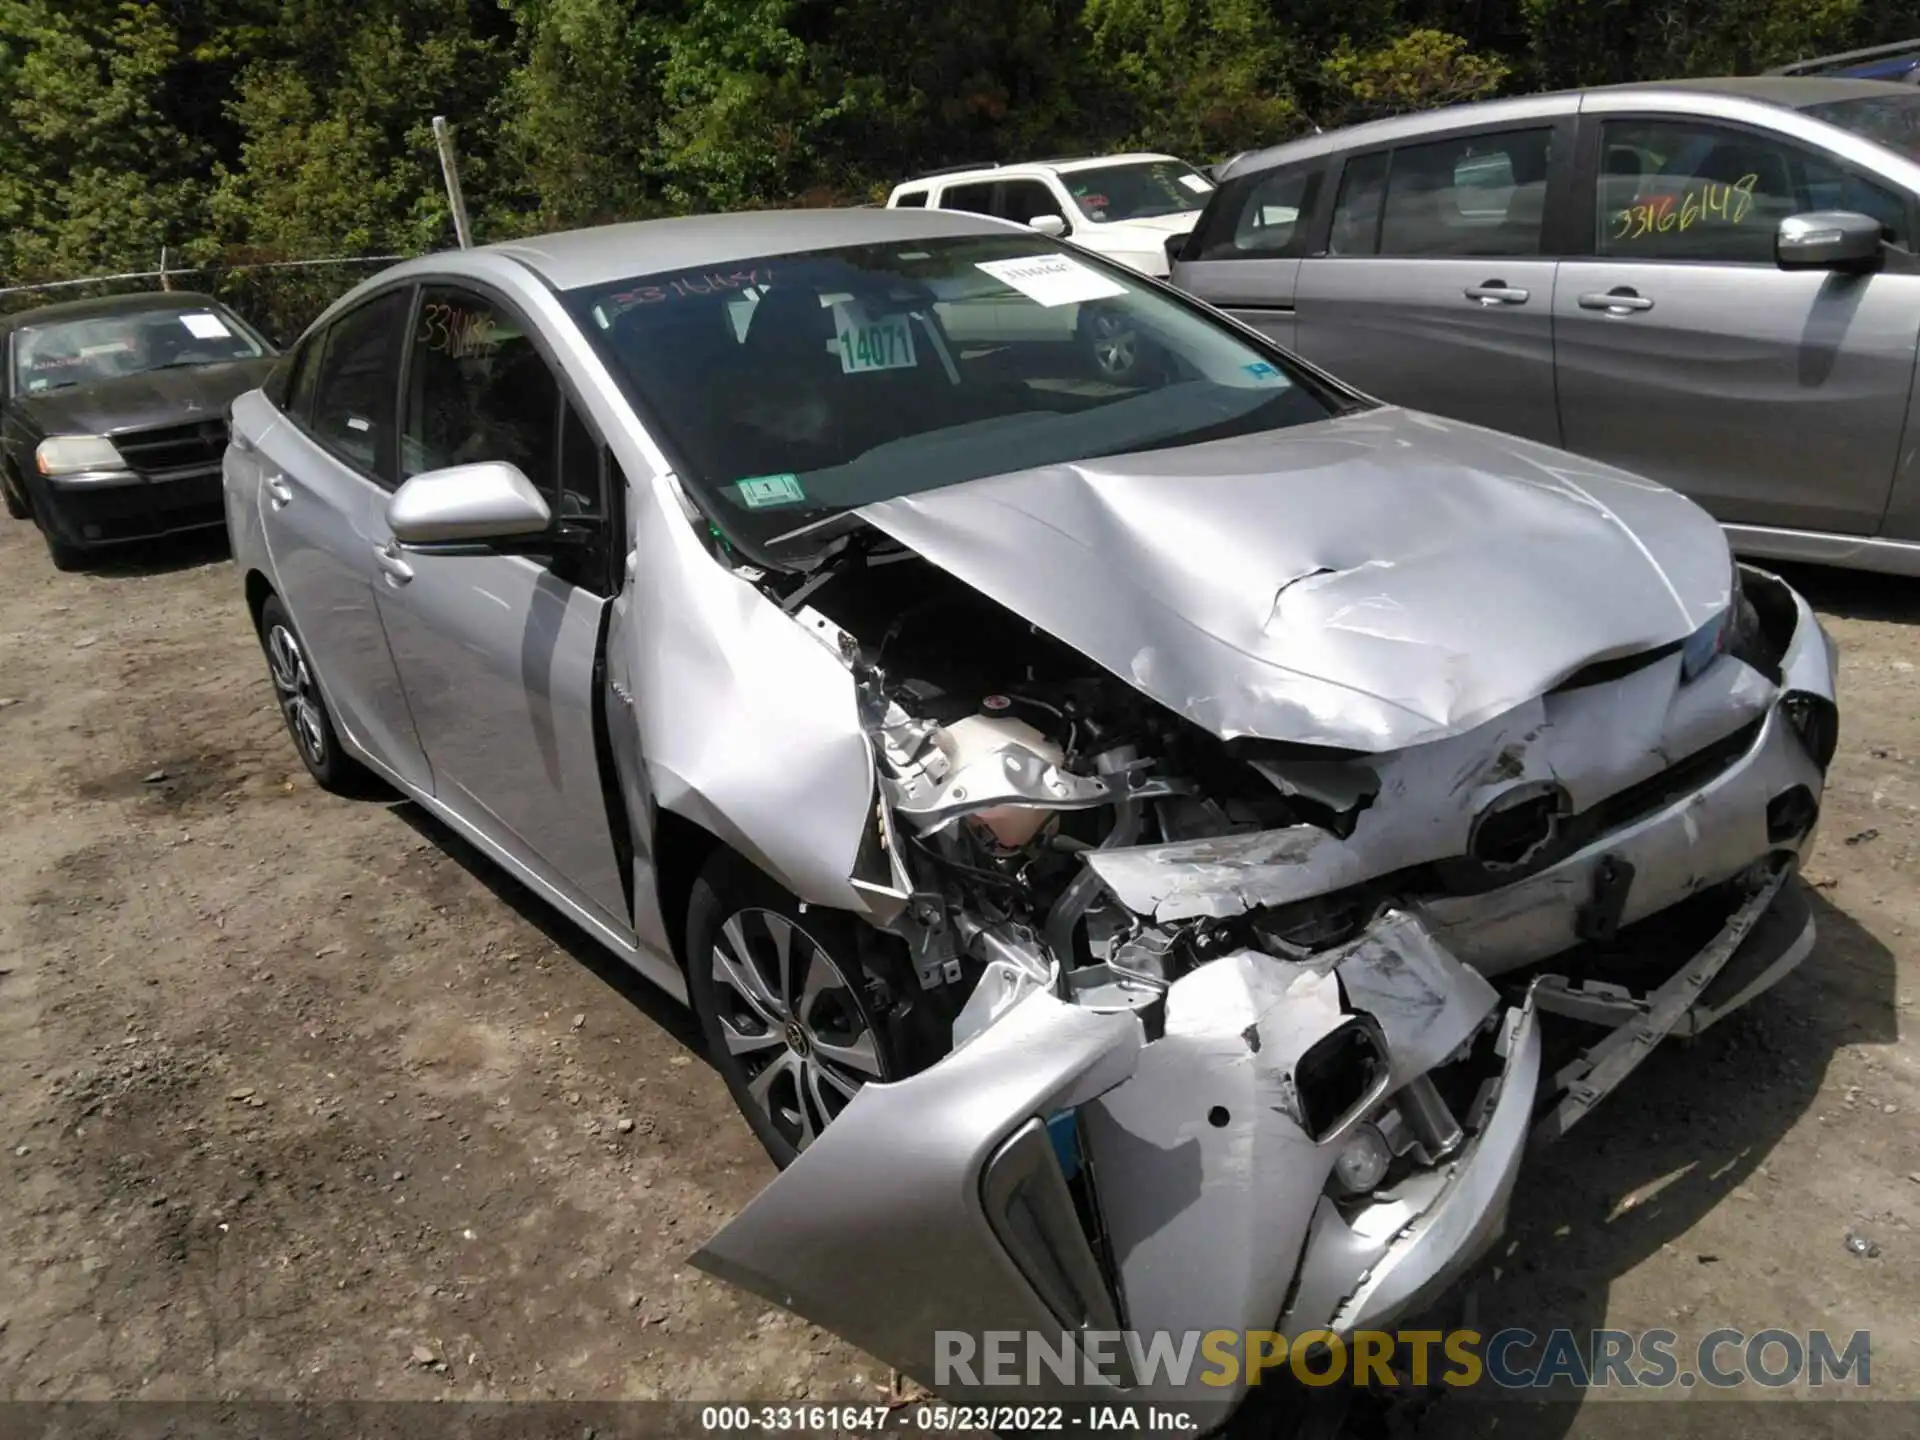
point(1124, 207)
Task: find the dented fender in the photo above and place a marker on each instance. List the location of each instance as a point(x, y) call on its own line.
point(719, 676)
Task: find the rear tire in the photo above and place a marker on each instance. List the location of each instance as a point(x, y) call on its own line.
point(297, 693)
point(800, 1006)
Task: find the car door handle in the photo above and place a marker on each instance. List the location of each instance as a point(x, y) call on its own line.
point(279, 491)
point(1621, 301)
point(387, 557)
point(1498, 292)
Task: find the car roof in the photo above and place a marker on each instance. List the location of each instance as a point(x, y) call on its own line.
point(1790, 92)
point(572, 258)
point(1059, 165)
point(106, 305)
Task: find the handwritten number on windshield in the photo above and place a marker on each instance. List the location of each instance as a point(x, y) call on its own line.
point(1731, 203)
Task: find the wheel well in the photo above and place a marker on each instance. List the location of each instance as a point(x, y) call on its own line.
point(257, 592)
point(681, 850)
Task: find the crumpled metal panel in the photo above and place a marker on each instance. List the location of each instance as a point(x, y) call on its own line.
point(1207, 1183)
point(1372, 582)
point(748, 725)
point(1593, 742)
point(878, 1231)
point(1426, 1002)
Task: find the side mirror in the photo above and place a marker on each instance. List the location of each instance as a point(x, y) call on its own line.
point(1053, 226)
point(1828, 240)
point(467, 504)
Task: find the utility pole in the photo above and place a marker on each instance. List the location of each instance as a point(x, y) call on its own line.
point(450, 168)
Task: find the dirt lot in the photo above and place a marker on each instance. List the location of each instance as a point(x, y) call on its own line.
point(301, 1098)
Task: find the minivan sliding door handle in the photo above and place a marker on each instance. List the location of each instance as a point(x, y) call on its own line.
point(1498, 292)
point(1621, 301)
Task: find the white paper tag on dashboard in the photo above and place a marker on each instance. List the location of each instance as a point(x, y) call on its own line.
point(206, 327)
point(1052, 280)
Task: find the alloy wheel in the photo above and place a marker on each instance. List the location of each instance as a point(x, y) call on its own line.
point(299, 698)
point(1116, 346)
point(789, 1019)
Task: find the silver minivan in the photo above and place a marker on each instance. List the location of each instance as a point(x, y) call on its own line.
point(1710, 282)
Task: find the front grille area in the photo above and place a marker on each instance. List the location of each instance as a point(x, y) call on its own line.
point(1468, 876)
point(173, 452)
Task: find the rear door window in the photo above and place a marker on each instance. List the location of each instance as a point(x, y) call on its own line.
point(352, 406)
point(1471, 195)
point(1356, 213)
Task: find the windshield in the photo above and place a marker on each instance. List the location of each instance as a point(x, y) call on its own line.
point(1889, 120)
point(794, 387)
point(104, 347)
point(1137, 190)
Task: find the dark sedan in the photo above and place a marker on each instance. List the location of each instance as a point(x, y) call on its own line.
point(113, 416)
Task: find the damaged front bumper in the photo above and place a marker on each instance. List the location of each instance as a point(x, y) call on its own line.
point(1063, 1177)
point(1297, 1141)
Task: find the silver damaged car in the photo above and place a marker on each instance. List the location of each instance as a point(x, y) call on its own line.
point(1124, 843)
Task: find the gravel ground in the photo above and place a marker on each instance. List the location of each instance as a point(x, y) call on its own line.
point(300, 1098)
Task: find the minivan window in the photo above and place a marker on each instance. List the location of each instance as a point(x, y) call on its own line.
point(910, 200)
point(1689, 190)
point(1477, 195)
point(1271, 222)
point(1356, 214)
point(870, 372)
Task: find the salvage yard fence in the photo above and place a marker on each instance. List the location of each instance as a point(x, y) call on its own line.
point(280, 296)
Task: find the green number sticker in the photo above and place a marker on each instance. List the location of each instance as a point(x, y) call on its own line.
point(883, 344)
point(762, 491)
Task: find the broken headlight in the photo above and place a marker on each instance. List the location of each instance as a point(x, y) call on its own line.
point(1706, 644)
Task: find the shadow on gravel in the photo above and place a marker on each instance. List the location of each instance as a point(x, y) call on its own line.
point(1682, 1134)
point(658, 1006)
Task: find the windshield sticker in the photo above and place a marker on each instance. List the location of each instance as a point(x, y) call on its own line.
point(763, 492)
point(1197, 184)
point(1264, 374)
point(1664, 213)
point(867, 344)
point(206, 327)
point(1051, 280)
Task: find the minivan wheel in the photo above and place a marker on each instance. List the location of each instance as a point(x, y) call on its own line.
point(301, 705)
point(15, 501)
point(800, 1006)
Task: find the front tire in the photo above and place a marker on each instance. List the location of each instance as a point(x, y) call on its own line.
point(800, 1006)
point(302, 706)
point(16, 501)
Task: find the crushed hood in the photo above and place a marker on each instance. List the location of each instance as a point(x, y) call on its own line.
point(1368, 582)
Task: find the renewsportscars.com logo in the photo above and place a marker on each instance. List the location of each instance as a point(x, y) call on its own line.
point(1511, 1359)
